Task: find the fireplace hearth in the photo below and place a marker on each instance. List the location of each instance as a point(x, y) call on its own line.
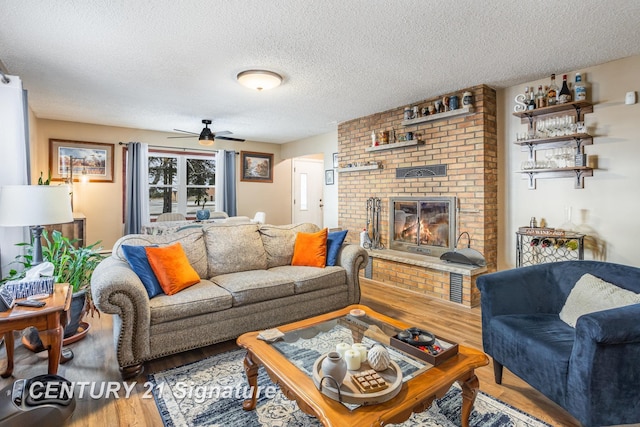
point(422, 225)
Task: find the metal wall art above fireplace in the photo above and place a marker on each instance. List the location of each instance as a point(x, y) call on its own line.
point(423, 225)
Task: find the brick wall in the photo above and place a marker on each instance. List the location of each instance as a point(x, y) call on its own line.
point(467, 145)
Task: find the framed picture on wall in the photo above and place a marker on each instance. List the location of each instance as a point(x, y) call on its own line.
point(335, 160)
point(79, 159)
point(256, 167)
point(328, 177)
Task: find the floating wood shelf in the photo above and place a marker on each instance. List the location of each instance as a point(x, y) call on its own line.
point(439, 116)
point(360, 168)
point(400, 144)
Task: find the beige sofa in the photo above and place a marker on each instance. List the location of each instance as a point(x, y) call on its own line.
point(247, 283)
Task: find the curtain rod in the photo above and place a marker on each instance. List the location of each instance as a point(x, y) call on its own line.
point(6, 80)
point(176, 148)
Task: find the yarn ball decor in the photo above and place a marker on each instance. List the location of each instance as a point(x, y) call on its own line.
point(378, 358)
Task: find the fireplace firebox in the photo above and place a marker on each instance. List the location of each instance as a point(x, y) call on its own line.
point(423, 225)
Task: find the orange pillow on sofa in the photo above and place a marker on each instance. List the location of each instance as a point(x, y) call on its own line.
point(310, 249)
point(172, 268)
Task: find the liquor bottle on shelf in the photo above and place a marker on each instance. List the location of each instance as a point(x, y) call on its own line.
point(580, 89)
point(565, 94)
point(546, 243)
point(552, 92)
point(541, 100)
point(534, 242)
point(531, 105)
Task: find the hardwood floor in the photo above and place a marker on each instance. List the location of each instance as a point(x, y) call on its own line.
point(95, 361)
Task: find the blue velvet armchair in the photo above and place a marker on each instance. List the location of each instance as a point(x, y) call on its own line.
point(593, 371)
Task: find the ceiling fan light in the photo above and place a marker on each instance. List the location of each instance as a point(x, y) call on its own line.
point(206, 137)
point(259, 79)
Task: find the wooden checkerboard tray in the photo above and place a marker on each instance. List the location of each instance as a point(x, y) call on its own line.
point(369, 381)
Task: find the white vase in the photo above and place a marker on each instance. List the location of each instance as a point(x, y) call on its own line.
point(378, 357)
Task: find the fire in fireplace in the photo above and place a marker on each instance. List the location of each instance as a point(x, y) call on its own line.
point(424, 225)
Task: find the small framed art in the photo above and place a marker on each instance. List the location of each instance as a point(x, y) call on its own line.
point(329, 177)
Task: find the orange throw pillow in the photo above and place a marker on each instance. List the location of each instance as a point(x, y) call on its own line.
point(310, 249)
point(172, 268)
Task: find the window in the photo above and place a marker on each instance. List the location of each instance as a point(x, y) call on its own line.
point(180, 183)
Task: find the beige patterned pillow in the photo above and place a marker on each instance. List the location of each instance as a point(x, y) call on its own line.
point(279, 241)
point(233, 248)
point(192, 241)
point(591, 294)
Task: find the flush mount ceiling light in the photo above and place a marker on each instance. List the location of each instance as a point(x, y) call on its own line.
point(259, 79)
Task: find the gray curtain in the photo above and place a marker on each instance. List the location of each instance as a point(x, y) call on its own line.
point(230, 204)
point(137, 188)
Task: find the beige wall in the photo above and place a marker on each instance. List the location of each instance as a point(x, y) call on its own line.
point(322, 147)
point(101, 203)
point(607, 208)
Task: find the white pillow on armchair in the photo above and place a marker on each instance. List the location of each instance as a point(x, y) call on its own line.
point(591, 294)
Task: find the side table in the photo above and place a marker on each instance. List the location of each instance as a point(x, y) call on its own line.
point(49, 320)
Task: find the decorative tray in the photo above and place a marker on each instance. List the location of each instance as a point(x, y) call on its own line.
point(349, 391)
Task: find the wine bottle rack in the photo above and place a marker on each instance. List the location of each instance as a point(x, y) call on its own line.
point(530, 249)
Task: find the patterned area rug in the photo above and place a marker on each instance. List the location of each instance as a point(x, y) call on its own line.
point(210, 393)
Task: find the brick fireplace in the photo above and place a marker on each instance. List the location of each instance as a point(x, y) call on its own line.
point(464, 147)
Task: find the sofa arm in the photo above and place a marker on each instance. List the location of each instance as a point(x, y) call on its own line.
point(352, 258)
point(614, 326)
point(603, 369)
point(524, 290)
point(116, 289)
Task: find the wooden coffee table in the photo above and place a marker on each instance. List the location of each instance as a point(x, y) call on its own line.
point(416, 394)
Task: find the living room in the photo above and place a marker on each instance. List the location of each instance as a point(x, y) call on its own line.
point(598, 205)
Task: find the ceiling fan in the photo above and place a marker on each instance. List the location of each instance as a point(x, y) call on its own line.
point(206, 136)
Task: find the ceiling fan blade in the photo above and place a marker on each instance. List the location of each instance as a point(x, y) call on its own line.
point(186, 131)
point(229, 139)
point(223, 132)
point(190, 136)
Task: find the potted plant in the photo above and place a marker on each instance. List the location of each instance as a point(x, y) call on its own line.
point(73, 265)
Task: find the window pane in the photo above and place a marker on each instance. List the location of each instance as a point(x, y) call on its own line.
point(163, 170)
point(162, 199)
point(201, 172)
point(197, 195)
point(303, 192)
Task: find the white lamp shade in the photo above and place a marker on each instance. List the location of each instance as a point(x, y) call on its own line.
point(28, 205)
point(259, 79)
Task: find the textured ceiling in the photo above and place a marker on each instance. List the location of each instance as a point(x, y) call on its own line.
point(164, 64)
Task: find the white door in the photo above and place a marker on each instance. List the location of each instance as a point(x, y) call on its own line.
point(307, 203)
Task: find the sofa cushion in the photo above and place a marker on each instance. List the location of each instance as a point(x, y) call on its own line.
point(171, 267)
point(591, 294)
point(192, 241)
point(137, 258)
point(233, 248)
point(310, 249)
point(309, 279)
point(278, 241)
point(201, 298)
point(247, 287)
point(334, 243)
